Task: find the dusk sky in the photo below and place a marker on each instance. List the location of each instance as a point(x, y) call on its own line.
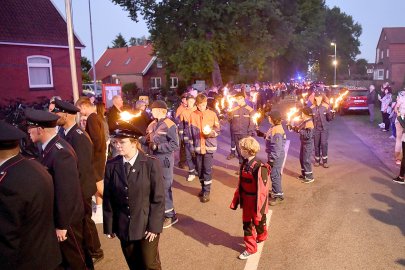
point(109, 20)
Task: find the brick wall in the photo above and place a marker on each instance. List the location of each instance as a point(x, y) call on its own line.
point(14, 73)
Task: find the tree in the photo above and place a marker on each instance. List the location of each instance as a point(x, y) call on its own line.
point(133, 41)
point(86, 66)
point(119, 42)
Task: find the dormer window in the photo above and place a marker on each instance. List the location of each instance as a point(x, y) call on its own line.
point(385, 37)
point(128, 61)
point(159, 63)
point(108, 63)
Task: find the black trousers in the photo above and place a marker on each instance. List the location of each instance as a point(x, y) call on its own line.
point(386, 120)
point(402, 171)
point(73, 256)
point(142, 254)
point(90, 235)
point(182, 156)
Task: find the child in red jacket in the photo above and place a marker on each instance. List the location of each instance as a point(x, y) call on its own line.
point(252, 196)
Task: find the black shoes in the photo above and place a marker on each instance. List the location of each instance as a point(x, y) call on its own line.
point(205, 197)
point(97, 257)
point(169, 221)
point(399, 180)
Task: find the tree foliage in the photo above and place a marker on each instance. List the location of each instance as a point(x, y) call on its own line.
point(119, 42)
point(85, 66)
point(271, 39)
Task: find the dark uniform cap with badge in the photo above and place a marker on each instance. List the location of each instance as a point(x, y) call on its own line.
point(9, 136)
point(158, 104)
point(37, 118)
point(126, 130)
point(65, 107)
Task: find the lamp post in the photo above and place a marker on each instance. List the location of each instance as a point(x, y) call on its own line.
point(334, 63)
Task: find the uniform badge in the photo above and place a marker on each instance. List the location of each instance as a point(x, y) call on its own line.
point(59, 146)
point(79, 131)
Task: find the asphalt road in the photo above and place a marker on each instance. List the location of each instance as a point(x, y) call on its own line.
point(351, 217)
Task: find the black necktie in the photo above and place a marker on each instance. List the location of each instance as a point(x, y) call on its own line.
point(127, 168)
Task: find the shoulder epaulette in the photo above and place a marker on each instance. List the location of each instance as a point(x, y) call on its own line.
point(79, 131)
point(150, 156)
point(58, 145)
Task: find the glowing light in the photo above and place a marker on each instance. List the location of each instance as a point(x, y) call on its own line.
point(126, 116)
point(207, 129)
point(339, 99)
point(217, 107)
point(255, 97)
point(291, 113)
point(256, 117)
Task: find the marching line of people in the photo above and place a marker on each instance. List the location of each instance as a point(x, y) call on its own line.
point(136, 183)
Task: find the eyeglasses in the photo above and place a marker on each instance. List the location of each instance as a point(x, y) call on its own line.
point(120, 142)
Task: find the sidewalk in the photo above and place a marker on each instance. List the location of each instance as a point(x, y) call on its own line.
point(372, 136)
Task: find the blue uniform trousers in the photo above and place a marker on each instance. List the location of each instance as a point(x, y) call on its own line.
point(190, 161)
point(321, 145)
point(305, 158)
point(275, 176)
point(204, 169)
point(167, 163)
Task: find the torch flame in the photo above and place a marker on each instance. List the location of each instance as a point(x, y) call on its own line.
point(217, 107)
point(292, 112)
point(223, 103)
point(230, 101)
point(254, 97)
point(226, 90)
point(126, 116)
point(255, 117)
point(339, 99)
point(304, 95)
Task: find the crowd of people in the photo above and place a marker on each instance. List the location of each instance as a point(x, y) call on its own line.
point(127, 163)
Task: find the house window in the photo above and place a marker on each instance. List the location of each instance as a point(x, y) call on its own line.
point(39, 71)
point(378, 55)
point(174, 82)
point(155, 82)
point(387, 74)
point(385, 37)
point(159, 63)
point(378, 74)
point(128, 61)
point(388, 52)
point(382, 54)
point(108, 63)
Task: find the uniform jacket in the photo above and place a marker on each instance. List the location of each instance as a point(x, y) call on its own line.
point(61, 161)
point(164, 134)
point(307, 132)
point(113, 115)
point(319, 116)
point(27, 232)
point(184, 124)
point(200, 143)
point(81, 143)
point(179, 110)
point(259, 187)
point(95, 129)
point(241, 120)
point(371, 97)
point(135, 204)
point(275, 142)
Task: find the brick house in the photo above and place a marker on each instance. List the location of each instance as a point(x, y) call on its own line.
point(34, 54)
point(135, 64)
point(390, 57)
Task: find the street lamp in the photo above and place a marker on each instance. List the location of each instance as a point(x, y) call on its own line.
point(334, 63)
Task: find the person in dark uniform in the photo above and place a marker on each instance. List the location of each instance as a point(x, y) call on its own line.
point(241, 122)
point(27, 232)
point(134, 200)
point(113, 114)
point(81, 143)
point(95, 129)
point(61, 161)
point(321, 117)
point(162, 139)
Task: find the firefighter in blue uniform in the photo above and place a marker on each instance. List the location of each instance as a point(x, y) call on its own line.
point(241, 122)
point(162, 140)
point(321, 115)
point(305, 129)
point(275, 142)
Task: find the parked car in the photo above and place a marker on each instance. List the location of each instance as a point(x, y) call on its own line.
point(88, 88)
point(356, 100)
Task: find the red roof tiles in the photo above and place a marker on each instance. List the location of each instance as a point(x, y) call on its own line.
point(33, 22)
point(127, 60)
